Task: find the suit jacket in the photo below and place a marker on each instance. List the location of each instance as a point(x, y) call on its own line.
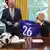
point(44, 29)
point(7, 17)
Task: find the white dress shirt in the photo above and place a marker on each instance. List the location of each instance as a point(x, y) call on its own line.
point(11, 10)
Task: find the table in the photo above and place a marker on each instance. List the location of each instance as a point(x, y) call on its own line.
point(29, 45)
point(41, 45)
point(14, 45)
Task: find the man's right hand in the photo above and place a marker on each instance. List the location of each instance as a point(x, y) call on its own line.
point(9, 23)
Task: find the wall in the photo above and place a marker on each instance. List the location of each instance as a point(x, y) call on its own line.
point(49, 10)
point(36, 6)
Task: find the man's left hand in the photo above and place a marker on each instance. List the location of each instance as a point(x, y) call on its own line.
point(16, 24)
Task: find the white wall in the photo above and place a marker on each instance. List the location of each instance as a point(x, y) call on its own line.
point(34, 6)
point(49, 10)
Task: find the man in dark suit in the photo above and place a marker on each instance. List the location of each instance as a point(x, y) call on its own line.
point(44, 24)
point(11, 17)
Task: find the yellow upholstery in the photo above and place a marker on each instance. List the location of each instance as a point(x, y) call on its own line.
point(23, 5)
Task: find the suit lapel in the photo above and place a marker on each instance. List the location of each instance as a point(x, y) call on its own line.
point(9, 16)
point(15, 13)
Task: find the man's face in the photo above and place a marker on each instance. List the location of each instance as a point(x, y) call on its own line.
point(41, 17)
point(12, 3)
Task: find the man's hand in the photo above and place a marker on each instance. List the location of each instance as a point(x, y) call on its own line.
point(9, 23)
point(16, 24)
point(38, 21)
point(41, 23)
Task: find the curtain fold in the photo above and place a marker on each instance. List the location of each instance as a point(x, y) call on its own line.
point(23, 5)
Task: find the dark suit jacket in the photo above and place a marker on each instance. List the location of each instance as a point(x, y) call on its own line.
point(7, 17)
point(44, 29)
